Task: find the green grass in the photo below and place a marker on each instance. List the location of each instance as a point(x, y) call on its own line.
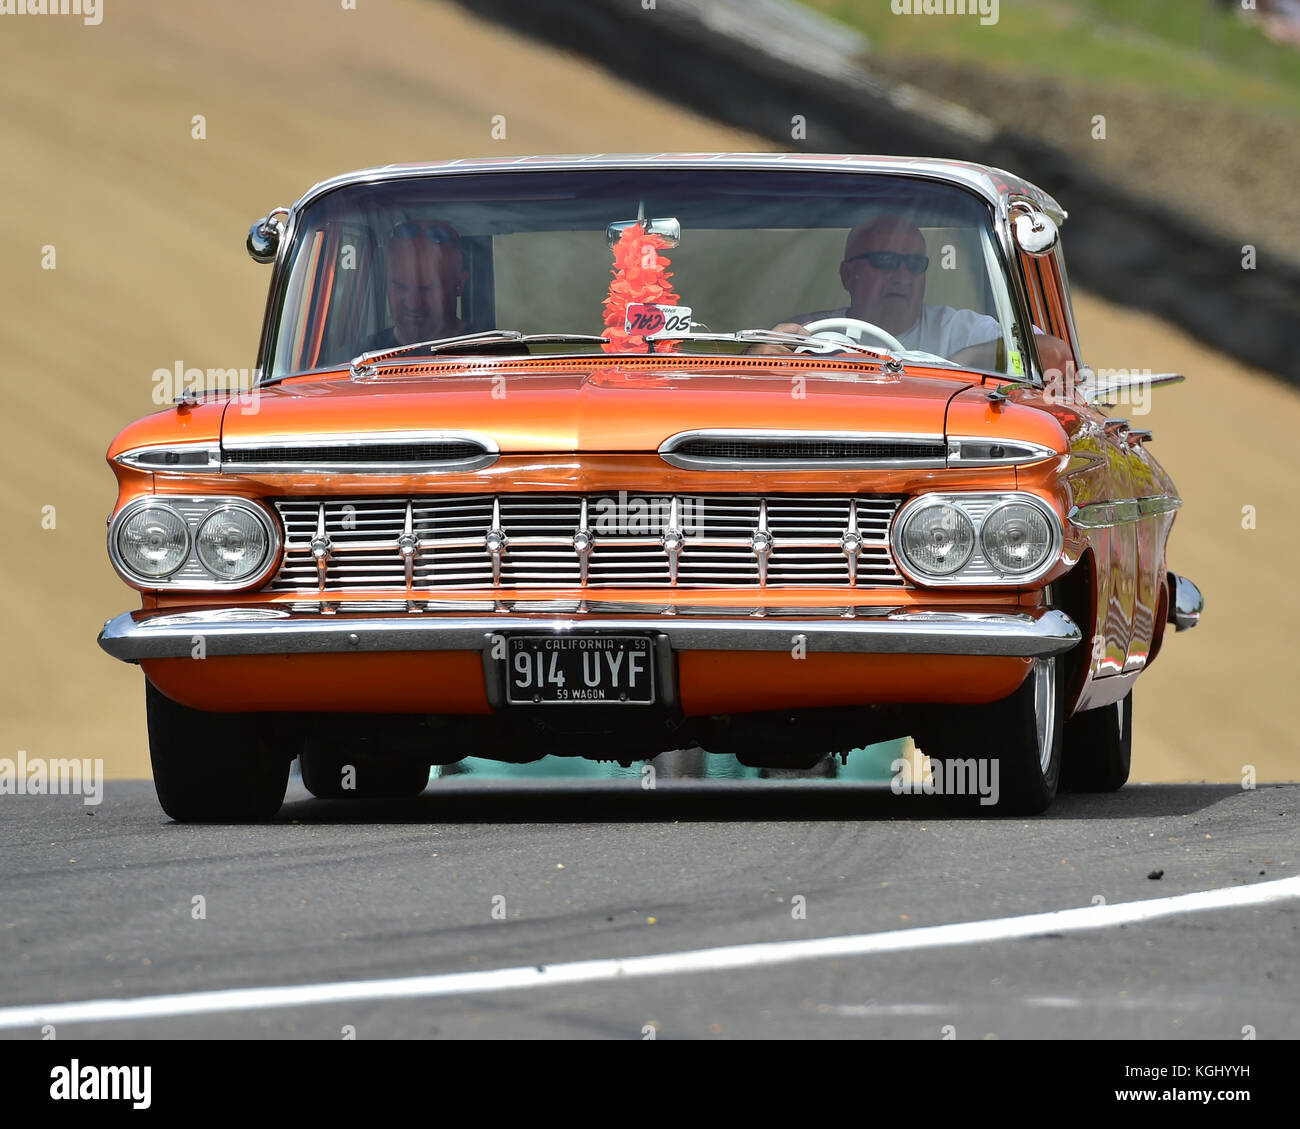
point(1191, 48)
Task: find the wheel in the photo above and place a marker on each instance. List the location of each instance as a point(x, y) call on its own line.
point(853, 329)
point(326, 775)
point(1005, 758)
point(1099, 748)
point(213, 767)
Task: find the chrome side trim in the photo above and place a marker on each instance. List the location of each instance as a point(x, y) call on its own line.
point(1103, 391)
point(1187, 603)
point(154, 458)
point(978, 450)
point(1104, 515)
point(134, 636)
point(668, 450)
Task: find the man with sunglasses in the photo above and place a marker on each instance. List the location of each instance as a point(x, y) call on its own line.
point(425, 277)
point(884, 268)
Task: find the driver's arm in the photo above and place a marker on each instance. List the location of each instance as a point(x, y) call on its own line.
point(778, 350)
point(983, 356)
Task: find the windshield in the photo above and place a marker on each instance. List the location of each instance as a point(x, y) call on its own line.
point(645, 258)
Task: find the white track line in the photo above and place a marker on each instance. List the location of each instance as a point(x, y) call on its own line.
point(728, 958)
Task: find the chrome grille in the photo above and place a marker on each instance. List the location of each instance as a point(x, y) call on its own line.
point(544, 540)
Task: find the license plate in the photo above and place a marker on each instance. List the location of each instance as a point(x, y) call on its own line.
point(542, 670)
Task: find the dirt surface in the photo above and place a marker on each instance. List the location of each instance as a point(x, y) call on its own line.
point(1232, 170)
point(147, 225)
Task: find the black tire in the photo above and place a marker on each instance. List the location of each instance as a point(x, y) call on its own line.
point(213, 767)
point(1099, 748)
point(372, 779)
point(1006, 733)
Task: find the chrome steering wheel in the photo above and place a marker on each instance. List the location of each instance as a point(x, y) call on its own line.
point(853, 329)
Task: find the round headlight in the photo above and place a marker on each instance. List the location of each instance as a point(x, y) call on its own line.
point(153, 542)
point(232, 543)
point(938, 539)
point(1016, 537)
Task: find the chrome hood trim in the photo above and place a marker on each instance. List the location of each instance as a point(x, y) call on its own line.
point(377, 452)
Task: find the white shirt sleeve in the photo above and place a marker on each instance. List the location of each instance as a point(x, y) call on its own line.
point(944, 331)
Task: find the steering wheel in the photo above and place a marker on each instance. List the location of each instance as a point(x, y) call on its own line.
point(853, 329)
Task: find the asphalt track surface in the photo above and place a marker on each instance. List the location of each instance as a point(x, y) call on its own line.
point(98, 903)
point(149, 225)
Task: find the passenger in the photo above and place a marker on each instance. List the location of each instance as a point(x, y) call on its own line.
point(426, 276)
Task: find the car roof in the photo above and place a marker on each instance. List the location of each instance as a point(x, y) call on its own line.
point(995, 185)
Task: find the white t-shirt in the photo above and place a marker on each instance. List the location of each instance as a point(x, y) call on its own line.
point(941, 330)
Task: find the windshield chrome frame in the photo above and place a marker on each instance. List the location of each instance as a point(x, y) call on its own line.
point(969, 178)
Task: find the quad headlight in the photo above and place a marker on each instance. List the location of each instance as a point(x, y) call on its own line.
point(976, 539)
point(153, 542)
point(195, 543)
point(937, 539)
point(1016, 537)
point(232, 543)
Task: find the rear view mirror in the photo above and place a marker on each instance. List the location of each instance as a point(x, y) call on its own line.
point(669, 229)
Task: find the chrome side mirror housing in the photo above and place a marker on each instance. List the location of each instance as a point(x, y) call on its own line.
point(1034, 232)
point(265, 235)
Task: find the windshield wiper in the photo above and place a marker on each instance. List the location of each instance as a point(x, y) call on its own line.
point(893, 363)
point(363, 364)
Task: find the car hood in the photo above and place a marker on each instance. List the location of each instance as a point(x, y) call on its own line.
point(610, 409)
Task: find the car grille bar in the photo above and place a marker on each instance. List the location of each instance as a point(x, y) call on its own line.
point(546, 540)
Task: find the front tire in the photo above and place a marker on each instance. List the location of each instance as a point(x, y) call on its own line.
point(1099, 748)
point(1021, 738)
point(213, 767)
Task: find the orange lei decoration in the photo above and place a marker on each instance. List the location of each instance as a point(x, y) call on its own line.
point(640, 275)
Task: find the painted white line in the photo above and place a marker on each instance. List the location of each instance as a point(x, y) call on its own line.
point(855, 1011)
point(728, 958)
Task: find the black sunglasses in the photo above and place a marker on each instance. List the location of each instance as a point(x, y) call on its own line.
point(889, 260)
point(429, 229)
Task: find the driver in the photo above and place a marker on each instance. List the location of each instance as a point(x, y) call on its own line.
point(883, 271)
point(426, 275)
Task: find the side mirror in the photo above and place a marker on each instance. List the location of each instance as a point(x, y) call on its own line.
point(1034, 232)
point(668, 228)
point(265, 235)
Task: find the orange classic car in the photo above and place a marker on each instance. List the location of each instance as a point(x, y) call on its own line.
point(773, 455)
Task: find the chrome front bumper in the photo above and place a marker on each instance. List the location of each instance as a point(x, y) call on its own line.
point(134, 636)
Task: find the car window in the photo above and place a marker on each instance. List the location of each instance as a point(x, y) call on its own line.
point(374, 265)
